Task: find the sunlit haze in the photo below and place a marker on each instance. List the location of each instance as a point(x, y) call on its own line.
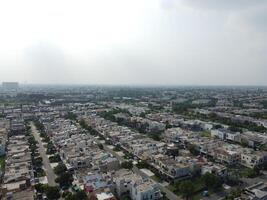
point(134, 42)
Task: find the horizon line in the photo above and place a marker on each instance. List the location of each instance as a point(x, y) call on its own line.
point(139, 85)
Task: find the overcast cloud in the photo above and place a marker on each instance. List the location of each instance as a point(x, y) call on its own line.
point(162, 42)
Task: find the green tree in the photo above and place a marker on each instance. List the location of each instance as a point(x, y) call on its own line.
point(264, 103)
point(155, 136)
point(83, 124)
point(186, 188)
point(39, 125)
point(233, 177)
point(65, 179)
point(143, 115)
point(127, 165)
point(38, 162)
point(193, 149)
point(117, 148)
point(100, 146)
point(51, 192)
point(251, 173)
point(212, 181)
point(244, 143)
point(54, 159)
point(39, 188)
point(80, 195)
point(235, 129)
point(168, 125)
point(71, 116)
point(234, 194)
point(66, 194)
point(142, 164)
point(60, 169)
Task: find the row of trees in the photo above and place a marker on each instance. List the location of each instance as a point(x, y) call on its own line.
point(54, 192)
point(37, 161)
point(39, 125)
point(50, 148)
point(235, 126)
point(71, 116)
point(85, 126)
point(141, 127)
point(182, 108)
point(64, 178)
point(127, 165)
point(109, 115)
point(51, 192)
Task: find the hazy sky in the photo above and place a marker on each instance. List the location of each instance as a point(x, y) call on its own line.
point(163, 42)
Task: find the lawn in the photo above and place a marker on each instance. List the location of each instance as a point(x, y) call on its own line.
point(244, 172)
point(205, 134)
point(156, 178)
point(249, 173)
point(171, 187)
point(199, 187)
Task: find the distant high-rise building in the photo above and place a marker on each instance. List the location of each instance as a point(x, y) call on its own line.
point(10, 85)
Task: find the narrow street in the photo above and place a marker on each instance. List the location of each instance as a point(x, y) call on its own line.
point(47, 167)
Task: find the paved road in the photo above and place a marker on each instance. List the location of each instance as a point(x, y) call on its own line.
point(169, 194)
point(47, 167)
